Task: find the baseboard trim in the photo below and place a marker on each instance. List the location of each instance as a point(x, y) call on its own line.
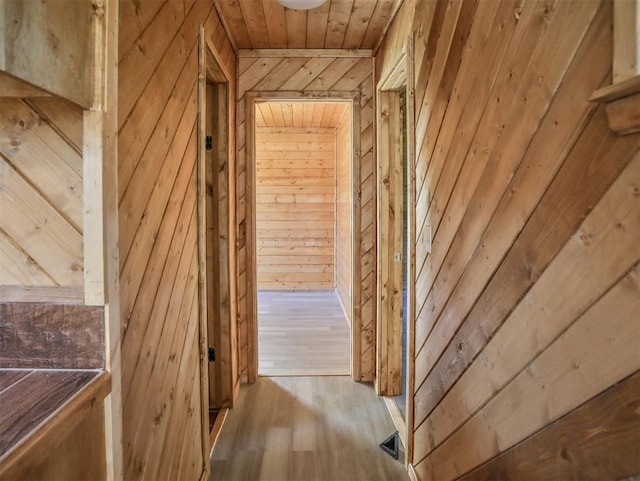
point(216, 429)
point(396, 417)
point(347, 314)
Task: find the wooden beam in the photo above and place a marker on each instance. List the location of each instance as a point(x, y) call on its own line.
point(304, 52)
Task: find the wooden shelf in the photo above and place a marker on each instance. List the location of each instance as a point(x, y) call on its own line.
point(622, 105)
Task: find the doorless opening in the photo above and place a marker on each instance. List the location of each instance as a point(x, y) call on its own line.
point(303, 207)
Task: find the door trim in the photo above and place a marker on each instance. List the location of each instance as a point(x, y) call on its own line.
point(211, 70)
point(251, 99)
point(401, 76)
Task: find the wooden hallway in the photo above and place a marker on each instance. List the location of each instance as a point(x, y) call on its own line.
point(324, 428)
point(175, 175)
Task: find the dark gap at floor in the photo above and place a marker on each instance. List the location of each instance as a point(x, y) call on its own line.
point(213, 414)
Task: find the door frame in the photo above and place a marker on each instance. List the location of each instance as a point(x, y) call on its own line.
point(251, 99)
point(211, 70)
point(389, 240)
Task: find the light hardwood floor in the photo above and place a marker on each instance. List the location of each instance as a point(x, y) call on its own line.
point(323, 428)
point(302, 333)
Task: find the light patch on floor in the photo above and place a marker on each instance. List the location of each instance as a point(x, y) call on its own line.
point(302, 333)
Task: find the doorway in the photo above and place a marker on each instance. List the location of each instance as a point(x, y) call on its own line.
point(216, 236)
point(395, 250)
point(354, 309)
point(303, 158)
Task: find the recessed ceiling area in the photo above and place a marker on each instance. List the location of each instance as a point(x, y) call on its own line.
point(337, 24)
point(300, 114)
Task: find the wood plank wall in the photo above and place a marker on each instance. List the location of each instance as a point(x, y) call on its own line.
point(311, 76)
point(158, 72)
point(295, 208)
point(344, 205)
point(527, 326)
point(41, 208)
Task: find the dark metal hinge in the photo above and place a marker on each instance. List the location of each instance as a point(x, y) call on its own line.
point(212, 354)
point(208, 144)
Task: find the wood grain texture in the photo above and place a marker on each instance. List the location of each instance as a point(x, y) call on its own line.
point(626, 32)
point(527, 186)
point(61, 414)
point(338, 24)
point(14, 87)
point(80, 455)
point(389, 242)
point(292, 202)
point(61, 58)
point(551, 385)
point(300, 80)
point(159, 307)
point(509, 170)
point(548, 228)
point(312, 428)
point(598, 440)
point(302, 334)
point(38, 336)
point(299, 114)
point(41, 204)
point(62, 116)
point(32, 401)
point(9, 378)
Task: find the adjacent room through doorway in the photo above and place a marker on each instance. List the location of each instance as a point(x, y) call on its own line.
point(303, 157)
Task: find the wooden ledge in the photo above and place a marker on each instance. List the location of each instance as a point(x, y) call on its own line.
point(622, 105)
point(40, 408)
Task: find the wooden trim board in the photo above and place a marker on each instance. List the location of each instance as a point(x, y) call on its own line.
point(217, 429)
point(252, 329)
point(304, 52)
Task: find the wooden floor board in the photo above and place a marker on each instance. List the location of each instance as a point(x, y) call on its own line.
point(302, 333)
point(323, 428)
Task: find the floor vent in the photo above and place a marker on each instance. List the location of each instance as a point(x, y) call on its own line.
point(391, 445)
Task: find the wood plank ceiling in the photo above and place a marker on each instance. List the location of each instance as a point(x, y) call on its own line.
point(337, 24)
point(300, 114)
